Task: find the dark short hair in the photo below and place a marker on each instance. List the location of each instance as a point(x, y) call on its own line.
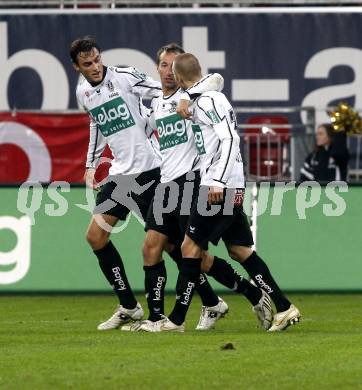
point(329, 130)
point(169, 48)
point(85, 44)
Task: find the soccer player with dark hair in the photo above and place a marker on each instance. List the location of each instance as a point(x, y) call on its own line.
point(112, 96)
point(180, 169)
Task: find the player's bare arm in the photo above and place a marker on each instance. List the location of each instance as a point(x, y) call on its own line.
point(215, 195)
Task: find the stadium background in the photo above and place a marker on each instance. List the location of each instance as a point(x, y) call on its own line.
point(270, 58)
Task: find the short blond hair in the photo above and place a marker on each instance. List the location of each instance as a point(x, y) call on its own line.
point(187, 67)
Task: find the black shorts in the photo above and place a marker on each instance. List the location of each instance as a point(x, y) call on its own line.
point(110, 202)
point(173, 223)
point(232, 229)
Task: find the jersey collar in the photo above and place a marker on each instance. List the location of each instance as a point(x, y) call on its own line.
point(170, 96)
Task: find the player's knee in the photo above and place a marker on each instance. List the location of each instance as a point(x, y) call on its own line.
point(233, 254)
point(190, 249)
point(152, 252)
point(207, 261)
point(96, 239)
point(170, 248)
point(240, 253)
point(185, 248)
point(205, 267)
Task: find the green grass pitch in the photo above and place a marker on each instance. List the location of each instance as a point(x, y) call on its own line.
point(51, 342)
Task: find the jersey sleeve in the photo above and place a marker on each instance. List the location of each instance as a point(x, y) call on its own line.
point(153, 135)
point(138, 82)
point(213, 113)
point(151, 117)
point(211, 82)
point(96, 145)
point(97, 142)
point(79, 97)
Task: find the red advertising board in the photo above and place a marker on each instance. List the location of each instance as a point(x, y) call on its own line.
point(44, 147)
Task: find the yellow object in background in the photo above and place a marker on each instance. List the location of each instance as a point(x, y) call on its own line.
point(345, 119)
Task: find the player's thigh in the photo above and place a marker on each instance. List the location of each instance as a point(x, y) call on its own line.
point(105, 205)
point(145, 199)
point(166, 226)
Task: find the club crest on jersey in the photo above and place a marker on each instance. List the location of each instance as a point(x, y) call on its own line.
point(110, 85)
point(171, 131)
point(112, 117)
point(199, 139)
point(170, 106)
point(86, 94)
point(173, 106)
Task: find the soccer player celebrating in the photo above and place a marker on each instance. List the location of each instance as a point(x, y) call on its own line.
point(222, 181)
point(180, 166)
point(113, 98)
point(174, 139)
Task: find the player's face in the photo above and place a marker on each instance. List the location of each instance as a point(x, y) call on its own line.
point(322, 137)
point(165, 71)
point(90, 65)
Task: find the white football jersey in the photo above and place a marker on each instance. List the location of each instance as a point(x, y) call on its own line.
point(119, 119)
point(176, 135)
point(178, 152)
point(218, 141)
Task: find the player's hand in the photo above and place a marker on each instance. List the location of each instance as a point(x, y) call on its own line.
point(183, 109)
point(215, 195)
point(89, 178)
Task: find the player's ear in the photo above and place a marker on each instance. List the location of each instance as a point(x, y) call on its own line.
point(76, 67)
point(176, 77)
